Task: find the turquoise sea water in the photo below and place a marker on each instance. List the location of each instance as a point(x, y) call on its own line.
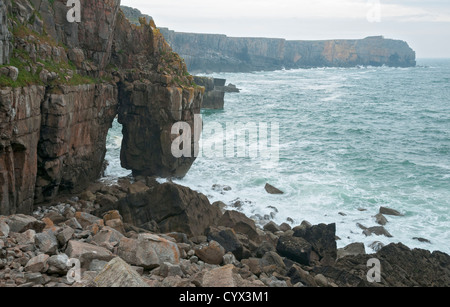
point(350, 140)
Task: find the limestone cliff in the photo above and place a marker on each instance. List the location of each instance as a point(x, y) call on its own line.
point(62, 84)
point(220, 53)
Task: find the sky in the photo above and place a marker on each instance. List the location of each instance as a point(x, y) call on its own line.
point(424, 24)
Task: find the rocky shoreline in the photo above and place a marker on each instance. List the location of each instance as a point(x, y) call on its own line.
point(145, 234)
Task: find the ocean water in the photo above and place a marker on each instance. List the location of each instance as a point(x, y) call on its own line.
point(350, 140)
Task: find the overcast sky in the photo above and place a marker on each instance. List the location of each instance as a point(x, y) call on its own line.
point(424, 24)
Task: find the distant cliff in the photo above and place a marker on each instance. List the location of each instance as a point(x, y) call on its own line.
point(220, 53)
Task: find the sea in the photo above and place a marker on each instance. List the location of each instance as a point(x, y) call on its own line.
point(339, 142)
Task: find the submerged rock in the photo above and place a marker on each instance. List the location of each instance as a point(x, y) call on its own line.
point(272, 190)
point(389, 211)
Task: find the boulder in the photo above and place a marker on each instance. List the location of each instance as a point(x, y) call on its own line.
point(107, 237)
point(20, 223)
point(86, 252)
point(86, 219)
point(4, 228)
point(352, 249)
point(212, 253)
point(272, 190)
point(422, 240)
point(376, 246)
point(222, 277)
point(168, 269)
point(37, 264)
point(376, 230)
point(148, 251)
point(46, 242)
point(118, 274)
point(295, 248)
point(227, 238)
point(65, 235)
point(240, 223)
point(25, 238)
point(389, 211)
point(381, 219)
point(298, 275)
point(174, 208)
point(322, 239)
point(272, 227)
point(58, 264)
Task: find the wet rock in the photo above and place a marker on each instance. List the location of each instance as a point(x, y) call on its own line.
point(272, 190)
point(389, 211)
point(376, 230)
point(381, 219)
point(376, 246)
point(422, 240)
point(118, 274)
point(285, 227)
point(272, 227)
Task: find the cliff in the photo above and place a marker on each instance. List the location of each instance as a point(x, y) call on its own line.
point(63, 83)
point(215, 89)
point(220, 53)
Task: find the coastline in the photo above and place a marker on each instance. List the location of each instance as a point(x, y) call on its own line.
point(88, 227)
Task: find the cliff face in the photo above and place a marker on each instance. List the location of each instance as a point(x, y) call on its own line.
point(5, 35)
point(219, 53)
point(63, 83)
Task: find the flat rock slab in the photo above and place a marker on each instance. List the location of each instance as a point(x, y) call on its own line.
point(86, 252)
point(148, 251)
point(20, 223)
point(118, 274)
point(220, 277)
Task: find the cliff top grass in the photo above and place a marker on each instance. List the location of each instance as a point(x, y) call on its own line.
point(30, 70)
